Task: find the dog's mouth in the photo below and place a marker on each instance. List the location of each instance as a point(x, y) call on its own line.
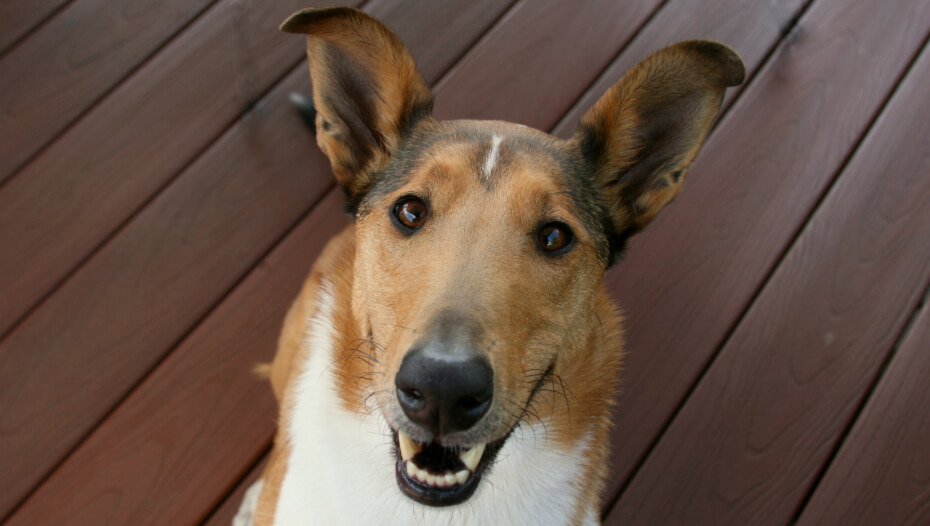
point(436, 475)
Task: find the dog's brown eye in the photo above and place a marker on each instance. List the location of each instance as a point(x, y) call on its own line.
point(411, 212)
point(553, 237)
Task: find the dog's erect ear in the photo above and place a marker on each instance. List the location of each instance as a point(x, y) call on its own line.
point(367, 91)
point(642, 135)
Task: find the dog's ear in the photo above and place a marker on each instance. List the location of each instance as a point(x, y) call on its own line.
point(367, 91)
point(642, 135)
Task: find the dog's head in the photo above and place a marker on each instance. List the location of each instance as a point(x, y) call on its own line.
point(480, 246)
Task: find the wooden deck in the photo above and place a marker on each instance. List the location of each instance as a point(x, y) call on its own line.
point(160, 202)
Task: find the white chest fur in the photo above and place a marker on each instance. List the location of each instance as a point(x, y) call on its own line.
point(341, 468)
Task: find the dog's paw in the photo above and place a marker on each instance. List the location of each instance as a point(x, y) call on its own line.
point(246, 513)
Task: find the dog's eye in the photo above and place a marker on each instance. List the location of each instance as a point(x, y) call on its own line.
point(554, 237)
point(411, 212)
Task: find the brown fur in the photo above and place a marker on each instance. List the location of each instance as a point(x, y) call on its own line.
point(476, 255)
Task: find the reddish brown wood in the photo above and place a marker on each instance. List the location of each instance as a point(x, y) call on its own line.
point(750, 440)
point(532, 67)
point(881, 475)
point(751, 28)
point(133, 301)
point(223, 515)
point(79, 353)
point(689, 277)
point(168, 454)
point(58, 72)
point(18, 17)
point(62, 205)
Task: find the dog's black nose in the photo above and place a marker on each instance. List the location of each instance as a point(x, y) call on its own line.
point(444, 393)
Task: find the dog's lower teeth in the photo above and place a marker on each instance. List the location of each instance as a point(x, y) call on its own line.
point(447, 479)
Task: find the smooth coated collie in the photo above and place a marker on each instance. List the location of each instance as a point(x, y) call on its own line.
point(453, 354)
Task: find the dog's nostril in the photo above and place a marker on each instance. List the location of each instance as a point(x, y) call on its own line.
point(468, 403)
point(411, 398)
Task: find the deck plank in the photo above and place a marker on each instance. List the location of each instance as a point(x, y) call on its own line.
point(224, 514)
point(751, 28)
point(77, 355)
point(19, 17)
point(881, 475)
point(167, 455)
point(534, 66)
point(749, 442)
point(689, 277)
point(60, 207)
point(83, 51)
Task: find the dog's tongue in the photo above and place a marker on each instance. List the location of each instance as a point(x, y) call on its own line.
point(435, 465)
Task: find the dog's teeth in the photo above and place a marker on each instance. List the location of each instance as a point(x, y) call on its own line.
point(449, 479)
point(461, 476)
point(408, 448)
point(471, 457)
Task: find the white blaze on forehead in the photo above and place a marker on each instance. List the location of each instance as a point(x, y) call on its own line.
point(492, 157)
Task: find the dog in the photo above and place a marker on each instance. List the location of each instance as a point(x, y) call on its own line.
point(453, 356)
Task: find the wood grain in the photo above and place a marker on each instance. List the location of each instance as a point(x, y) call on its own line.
point(689, 277)
point(224, 514)
point(18, 17)
point(752, 437)
point(535, 64)
point(881, 475)
point(65, 203)
point(751, 28)
point(58, 72)
point(77, 355)
point(168, 453)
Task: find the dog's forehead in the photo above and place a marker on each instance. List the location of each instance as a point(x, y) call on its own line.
point(486, 152)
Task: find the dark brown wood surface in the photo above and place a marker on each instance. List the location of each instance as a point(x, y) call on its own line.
point(64, 204)
point(19, 17)
point(160, 447)
point(223, 515)
point(163, 271)
point(750, 440)
point(533, 65)
point(149, 249)
point(882, 473)
point(752, 28)
point(62, 69)
point(689, 277)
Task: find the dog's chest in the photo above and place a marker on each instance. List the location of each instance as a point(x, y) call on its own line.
point(341, 466)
